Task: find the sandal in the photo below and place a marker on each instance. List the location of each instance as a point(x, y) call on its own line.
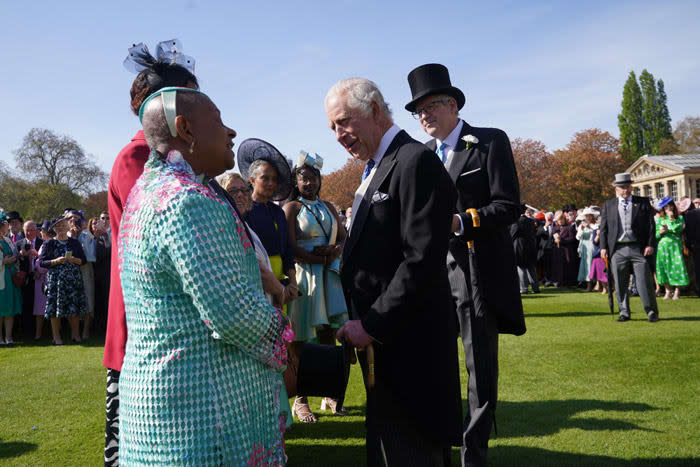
point(303, 411)
point(331, 404)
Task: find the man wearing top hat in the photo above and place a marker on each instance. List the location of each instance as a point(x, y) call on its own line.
point(627, 237)
point(480, 260)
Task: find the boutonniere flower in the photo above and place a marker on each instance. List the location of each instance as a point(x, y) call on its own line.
point(470, 139)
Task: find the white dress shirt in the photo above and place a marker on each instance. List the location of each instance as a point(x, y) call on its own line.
point(450, 145)
point(378, 156)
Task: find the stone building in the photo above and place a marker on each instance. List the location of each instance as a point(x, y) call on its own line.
point(676, 175)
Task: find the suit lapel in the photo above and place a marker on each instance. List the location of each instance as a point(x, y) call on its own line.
point(635, 208)
point(381, 172)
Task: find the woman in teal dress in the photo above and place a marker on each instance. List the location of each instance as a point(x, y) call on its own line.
point(670, 267)
point(200, 381)
point(317, 236)
point(10, 295)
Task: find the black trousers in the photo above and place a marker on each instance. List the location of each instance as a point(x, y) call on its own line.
point(396, 442)
point(28, 322)
point(479, 334)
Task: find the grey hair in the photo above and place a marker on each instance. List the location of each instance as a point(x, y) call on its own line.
point(155, 127)
point(28, 223)
point(256, 166)
point(449, 98)
point(361, 93)
point(226, 178)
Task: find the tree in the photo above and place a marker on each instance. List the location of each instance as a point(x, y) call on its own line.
point(95, 204)
point(663, 123)
point(644, 121)
point(533, 163)
point(340, 186)
point(687, 135)
point(582, 172)
point(631, 121)
point(58, 160)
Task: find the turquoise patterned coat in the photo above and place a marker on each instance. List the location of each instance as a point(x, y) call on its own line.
point(200, 382)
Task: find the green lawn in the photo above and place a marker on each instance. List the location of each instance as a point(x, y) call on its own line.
point(577, 389)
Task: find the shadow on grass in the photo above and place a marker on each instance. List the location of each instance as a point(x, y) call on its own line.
point(568, 314)
point(15, 448)
point(680, 318)
point(544, 418)
point(517, 455)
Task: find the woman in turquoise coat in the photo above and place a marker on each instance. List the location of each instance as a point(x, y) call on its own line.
point(200, 382)
point(317, 235)
point(670, 267)
point(10, 295)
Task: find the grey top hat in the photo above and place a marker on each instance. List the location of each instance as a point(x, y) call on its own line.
point(623, 179)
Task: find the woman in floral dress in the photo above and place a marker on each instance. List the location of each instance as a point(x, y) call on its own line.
point(670, 267)
point(65, 293)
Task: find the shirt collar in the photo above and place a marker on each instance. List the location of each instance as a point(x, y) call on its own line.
point(622, 200)
point(385, 142)
point(453, 137)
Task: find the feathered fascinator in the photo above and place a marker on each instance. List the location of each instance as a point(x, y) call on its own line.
point(167, 52)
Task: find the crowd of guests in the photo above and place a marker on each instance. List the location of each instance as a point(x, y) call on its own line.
point(53, 270)
point(562, 249)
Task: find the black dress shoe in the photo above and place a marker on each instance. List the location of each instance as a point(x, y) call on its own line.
point(653, 317)
point(622, 318)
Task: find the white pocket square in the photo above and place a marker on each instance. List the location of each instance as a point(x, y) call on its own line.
point(378, 197)
point(470, 172)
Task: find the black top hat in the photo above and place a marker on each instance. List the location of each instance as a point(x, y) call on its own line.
point(432, 78)
point(12, 215)
point(253, 149)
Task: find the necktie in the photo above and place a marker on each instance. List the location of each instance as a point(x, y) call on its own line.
point(368, 169)
point(441, 151)
point(625, 203)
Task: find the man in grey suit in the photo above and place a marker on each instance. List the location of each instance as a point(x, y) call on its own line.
point(627, 237)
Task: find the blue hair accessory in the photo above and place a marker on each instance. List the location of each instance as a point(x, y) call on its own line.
point(169, 99)
point(305, 158)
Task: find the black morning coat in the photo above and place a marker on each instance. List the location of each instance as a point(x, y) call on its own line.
point(643, 224)
point(395, 280)
point(487, 181)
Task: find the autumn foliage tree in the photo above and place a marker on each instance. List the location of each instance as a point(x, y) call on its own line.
point(340, 186)
point(582, 172)
point(533, 163)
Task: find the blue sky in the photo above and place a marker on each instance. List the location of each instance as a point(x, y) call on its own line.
point(541, 70)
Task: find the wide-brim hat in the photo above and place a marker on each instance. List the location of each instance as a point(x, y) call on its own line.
point(590, 211)
point(323, 370)
point(663, 202)
point(59, 219)
point(623, 179)
point(253, 149)
point(430, 79)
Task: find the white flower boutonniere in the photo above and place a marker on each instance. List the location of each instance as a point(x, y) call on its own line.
point(470, 139)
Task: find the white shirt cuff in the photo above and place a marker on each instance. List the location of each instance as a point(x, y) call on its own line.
point(461, 225)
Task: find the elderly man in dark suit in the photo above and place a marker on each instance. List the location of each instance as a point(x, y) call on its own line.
point(627, 238)
point(395, 282)
point(692, 239)
point(481, 261)
point(28, 248)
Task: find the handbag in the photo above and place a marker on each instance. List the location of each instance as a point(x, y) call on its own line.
point(18, 278)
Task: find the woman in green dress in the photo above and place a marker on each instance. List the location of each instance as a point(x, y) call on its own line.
point(10, 295)
point(670, 267)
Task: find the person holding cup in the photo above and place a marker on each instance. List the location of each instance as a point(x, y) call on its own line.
point(62, 256)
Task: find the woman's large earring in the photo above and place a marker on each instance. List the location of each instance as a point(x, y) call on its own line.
point(192, 147)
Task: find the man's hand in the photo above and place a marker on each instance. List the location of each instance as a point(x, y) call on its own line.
point(603, 254)
point(354, 334)
point(648, 251)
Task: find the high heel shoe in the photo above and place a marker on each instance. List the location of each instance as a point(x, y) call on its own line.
point(303, 411)
point(328, 403)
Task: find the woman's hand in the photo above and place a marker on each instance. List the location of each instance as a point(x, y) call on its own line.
point(9, 259)
point(291, 292)
point(74, 260)
point(663, 229)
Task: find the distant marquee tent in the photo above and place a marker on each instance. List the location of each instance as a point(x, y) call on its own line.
point(676, 175)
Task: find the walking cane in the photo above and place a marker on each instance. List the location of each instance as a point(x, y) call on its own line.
point(370, 365)
point(611, 281)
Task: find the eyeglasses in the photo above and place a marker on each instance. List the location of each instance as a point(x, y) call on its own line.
point(236, 191)
point(104, 218)
point(428, 108)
